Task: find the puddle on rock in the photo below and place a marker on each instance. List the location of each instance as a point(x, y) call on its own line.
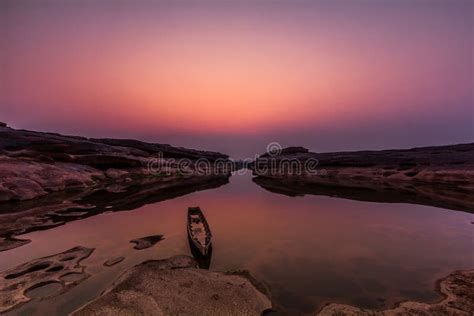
point(44, 290)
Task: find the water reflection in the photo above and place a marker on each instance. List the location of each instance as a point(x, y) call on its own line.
point(431, 195)
point(59, 209)
point(309, 250)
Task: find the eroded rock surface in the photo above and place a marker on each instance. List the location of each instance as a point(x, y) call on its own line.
point(458, 289)
point(175, 286)
point(441, 176)
point(59, 272)
point(146, 242)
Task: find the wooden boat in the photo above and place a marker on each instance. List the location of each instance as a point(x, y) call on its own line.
point(204, 262)
point(198, 230)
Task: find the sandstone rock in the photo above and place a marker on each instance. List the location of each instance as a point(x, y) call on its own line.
point(175, 286)
point(56, 172)
point(458, 289)
point(146, 242)
point(441, 176)
point(24, 179)
point(62, 270)
point(33, 164)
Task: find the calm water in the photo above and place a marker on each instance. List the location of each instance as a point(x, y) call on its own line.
point(309, 250)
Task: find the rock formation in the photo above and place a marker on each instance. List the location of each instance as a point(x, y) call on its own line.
point(175, 286)
point(441, 176)
point(61, 272)
point(34, 164)
point(48, 179)
point(458, 291)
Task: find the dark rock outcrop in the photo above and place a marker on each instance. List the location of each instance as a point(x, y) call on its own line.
point(441, 176)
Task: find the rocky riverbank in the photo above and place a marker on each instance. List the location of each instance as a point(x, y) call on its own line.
point(58, 273)
point(441, 176)
point(35, 164)
point(175, 286)
point(457, 289)
point(48, 179)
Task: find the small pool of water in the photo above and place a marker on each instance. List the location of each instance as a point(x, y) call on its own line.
point(44, 290)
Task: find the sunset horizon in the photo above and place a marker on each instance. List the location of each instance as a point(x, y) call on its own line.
point(197, 74)
point(237, 157)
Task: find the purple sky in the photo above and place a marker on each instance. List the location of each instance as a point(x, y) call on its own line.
point(233, 76)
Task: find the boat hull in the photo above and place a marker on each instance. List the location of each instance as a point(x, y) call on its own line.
point(199, 232)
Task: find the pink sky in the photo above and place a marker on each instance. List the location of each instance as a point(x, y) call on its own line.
point(233, 75)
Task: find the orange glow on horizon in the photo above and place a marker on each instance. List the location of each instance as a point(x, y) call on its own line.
point(230, 68)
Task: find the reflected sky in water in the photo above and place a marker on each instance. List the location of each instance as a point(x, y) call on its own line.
point(309, 250)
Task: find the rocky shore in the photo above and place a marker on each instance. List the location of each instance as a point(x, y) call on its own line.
point(441, 176)
point(58, 273)
point(49, 179)
point(457, 289)
point(35, 164)
point(175, 286)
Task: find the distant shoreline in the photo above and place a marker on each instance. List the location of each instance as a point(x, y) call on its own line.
point(441, 176)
